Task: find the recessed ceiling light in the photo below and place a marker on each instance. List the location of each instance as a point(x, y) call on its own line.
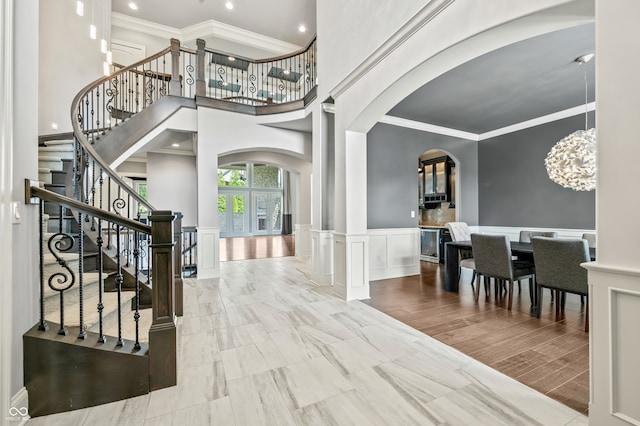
point(133, 6)
point(302, 28)
point(287, 72)
point(231, 58)
point(175, 145)
point(228, 5)
point(54, 126)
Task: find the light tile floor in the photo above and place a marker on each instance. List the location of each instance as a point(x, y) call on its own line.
point(262, 345)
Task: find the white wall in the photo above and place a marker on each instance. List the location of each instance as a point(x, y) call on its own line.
point(172, 185)
point(224, 132)
point(348, 31)
point(69, 59)
point(153, 44)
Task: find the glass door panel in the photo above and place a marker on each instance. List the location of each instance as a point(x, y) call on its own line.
point(261, 206)
point(276, 213)
point(238, 214)
point(222, 213)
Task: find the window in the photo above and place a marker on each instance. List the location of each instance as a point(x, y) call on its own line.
point(265, 176)
point(141, 189)
point(233, 175)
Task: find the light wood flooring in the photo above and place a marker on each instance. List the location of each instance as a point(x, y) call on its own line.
point(548, 354)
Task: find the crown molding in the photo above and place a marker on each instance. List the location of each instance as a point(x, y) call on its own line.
point(447, 131)
point(221, 30)
point(426, 127)
point(206, 29)
point(555, 116)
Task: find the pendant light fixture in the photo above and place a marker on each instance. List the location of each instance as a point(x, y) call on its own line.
point(571, 162)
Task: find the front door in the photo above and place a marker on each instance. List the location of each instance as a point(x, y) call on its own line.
point(233, 218)
point(267, 213)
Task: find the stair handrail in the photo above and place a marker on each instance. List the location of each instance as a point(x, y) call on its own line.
point(80, 135)
point(34, 191)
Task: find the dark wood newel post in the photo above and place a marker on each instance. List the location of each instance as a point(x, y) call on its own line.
point(177, 239)
point(175, 88)
point(162, 334)
point(200, 83)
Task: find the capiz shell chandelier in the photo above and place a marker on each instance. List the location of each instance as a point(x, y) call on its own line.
point(571, 162)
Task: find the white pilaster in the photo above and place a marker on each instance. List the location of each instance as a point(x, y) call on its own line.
point(351, 266)
point(208, 253)
point(303, 239)
point(6, 185)
point(614, 278)
point(321, 256)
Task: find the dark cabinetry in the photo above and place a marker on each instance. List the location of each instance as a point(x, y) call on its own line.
point(435, 182)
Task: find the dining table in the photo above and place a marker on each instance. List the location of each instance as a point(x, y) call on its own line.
point(452, 266)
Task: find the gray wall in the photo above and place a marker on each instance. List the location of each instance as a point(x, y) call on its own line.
point(515, 189)
point(392, 174)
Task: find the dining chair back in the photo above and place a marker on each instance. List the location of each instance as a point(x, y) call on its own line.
point(460, 232)
point(590, 237)
point(492, 254)
point(558, 268)
point(525, 236)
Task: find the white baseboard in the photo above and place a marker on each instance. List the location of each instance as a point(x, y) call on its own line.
point(18, 413)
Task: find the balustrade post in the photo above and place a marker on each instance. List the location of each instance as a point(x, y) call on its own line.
point(175, 87)
point(177, 240)
point(201, 86)
point(162, 334)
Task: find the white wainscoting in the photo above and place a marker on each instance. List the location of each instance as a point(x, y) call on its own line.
point(303, 239)
point(393, 253)
point(321, 256)
point(208, 253)
point(351, 266)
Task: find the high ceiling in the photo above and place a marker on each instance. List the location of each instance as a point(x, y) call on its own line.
point(519, 82)
point(277, 19)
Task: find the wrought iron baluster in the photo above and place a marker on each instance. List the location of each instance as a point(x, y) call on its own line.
point(61, 242)
point(119, 280)
point(99, 242)
point(136, 315)
point(43, 325)
point(109, 204)
point(81, 334)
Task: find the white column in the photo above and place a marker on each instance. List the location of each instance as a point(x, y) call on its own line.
point(350, 240)
point(302, 227)
point(320, 234)
point(6, 179)
point(207, 174)
point(614, 278)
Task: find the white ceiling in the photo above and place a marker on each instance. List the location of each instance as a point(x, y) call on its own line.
point(278, 19)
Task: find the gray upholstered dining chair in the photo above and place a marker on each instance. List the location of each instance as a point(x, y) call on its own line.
point(460, 232)
point(558, 268)
point(493, 260)
point(525, 236)
point(590, 237)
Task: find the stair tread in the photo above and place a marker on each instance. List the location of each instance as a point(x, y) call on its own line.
point(59, 142)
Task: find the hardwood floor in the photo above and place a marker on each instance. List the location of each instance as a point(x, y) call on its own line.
point(549, 355)
point(258, 247)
